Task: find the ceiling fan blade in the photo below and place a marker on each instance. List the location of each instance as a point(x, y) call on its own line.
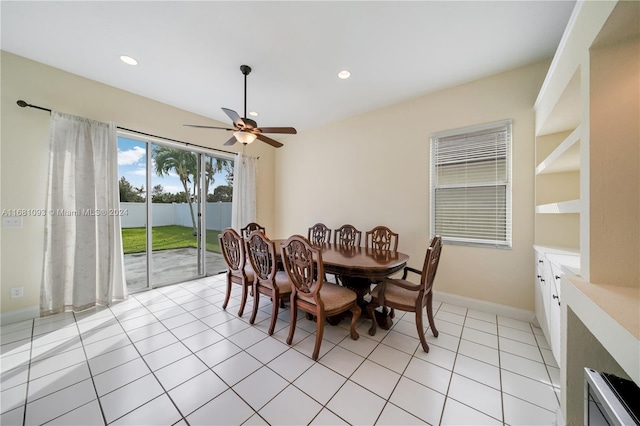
point(268, 140)
point(237, 121)
point(231, 141)
point(287, 130)
point(206, 127)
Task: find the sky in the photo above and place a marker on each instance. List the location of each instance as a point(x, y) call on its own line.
point(132, 165)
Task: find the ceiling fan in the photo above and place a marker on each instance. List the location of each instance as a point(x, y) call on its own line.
point(245, 129)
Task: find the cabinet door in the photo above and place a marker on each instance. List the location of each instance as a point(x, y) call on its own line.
point(554, 310)
point(542, 293)
point(554, 322)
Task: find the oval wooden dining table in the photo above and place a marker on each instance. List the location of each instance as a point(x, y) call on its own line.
point(359, 267)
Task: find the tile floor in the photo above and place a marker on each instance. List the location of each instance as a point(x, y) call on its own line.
point(173, 356)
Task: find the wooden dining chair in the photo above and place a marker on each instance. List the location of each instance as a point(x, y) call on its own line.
point(348, 235)
point(381, 238)
point(261, 252)
point(310, 293)
point(247, 230)
point(319, 234)
point(238, 270)
point(406, 296)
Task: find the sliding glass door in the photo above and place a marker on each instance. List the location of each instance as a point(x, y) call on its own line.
point(171, 231)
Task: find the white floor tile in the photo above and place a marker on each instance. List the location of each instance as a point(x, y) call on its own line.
point(291, 364)
point(480, 337)
point(60, 379)
point(456, 413)
point(129, 397)
point(267, 349)
point(248, 337)
point(476, 395)
point(378, 379)
point(418, 400)
point(381, 379)
point(402, 341)
point(165, 356)
point(438, 356)
point(428, 374)
point(236, 368)
point(194, 393)
point(87, 415)
point(12, 398)
point(535, 392)
point(341, 361)
point(226, 409)
point(202, 339)
point(59, 403)
point(481, 325)
point(113, 359)
point(320, 382)
point(356, 404)
point(158, 411)
point(392, 415)
point(180, 371)
point(56, 363)
point(518, 335)
point(279, 410)
point(260, 387)
point(154, 343)
point(478, 371)
point(520, 349)
point(327, 417)
point(524, 366)
point(391, 358)
point(519, 412)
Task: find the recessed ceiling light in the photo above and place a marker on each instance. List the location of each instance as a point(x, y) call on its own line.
point(253, 113)
point(128, 60)
point(344, 74)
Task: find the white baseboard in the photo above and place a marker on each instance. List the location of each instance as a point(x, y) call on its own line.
point(20, 315)
point(481, 305)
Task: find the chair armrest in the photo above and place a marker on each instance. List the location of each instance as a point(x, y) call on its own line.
point(410, 269)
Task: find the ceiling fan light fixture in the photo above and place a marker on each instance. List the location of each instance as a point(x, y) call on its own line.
point(344, 74)
point(244, 137)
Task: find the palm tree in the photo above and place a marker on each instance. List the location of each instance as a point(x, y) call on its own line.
point(212, 166)
point(185, 165)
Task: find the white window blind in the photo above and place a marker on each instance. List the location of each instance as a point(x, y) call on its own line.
point(471, 185)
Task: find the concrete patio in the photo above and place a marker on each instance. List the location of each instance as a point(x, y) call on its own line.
point(168, 267)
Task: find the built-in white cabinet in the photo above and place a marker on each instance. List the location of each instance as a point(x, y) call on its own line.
point(551, 265)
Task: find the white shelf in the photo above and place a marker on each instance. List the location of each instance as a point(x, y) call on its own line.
point(565, 158)
point(564, 207)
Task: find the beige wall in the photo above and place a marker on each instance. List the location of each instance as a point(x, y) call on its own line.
point(615, 164)
point(25, 145)
point(373, 169)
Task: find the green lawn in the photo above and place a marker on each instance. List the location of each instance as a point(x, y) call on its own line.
point(164, 238)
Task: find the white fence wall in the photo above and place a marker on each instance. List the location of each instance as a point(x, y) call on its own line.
point(163, 214)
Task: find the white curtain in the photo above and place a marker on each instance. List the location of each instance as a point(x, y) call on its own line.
point(83, 260)
point(243, 208)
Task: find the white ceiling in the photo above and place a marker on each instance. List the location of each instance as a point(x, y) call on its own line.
point(189, 53)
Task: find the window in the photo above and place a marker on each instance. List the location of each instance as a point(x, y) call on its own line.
point(471, 185)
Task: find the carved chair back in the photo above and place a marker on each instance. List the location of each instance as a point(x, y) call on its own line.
point(319, 234)
point(381, 238)
point(348, 235)
point(247, 230)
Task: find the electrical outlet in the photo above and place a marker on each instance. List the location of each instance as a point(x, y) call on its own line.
point(17, 292)
point(12, 222)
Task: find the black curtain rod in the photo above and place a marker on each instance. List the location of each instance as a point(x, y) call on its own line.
point(24, 104)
